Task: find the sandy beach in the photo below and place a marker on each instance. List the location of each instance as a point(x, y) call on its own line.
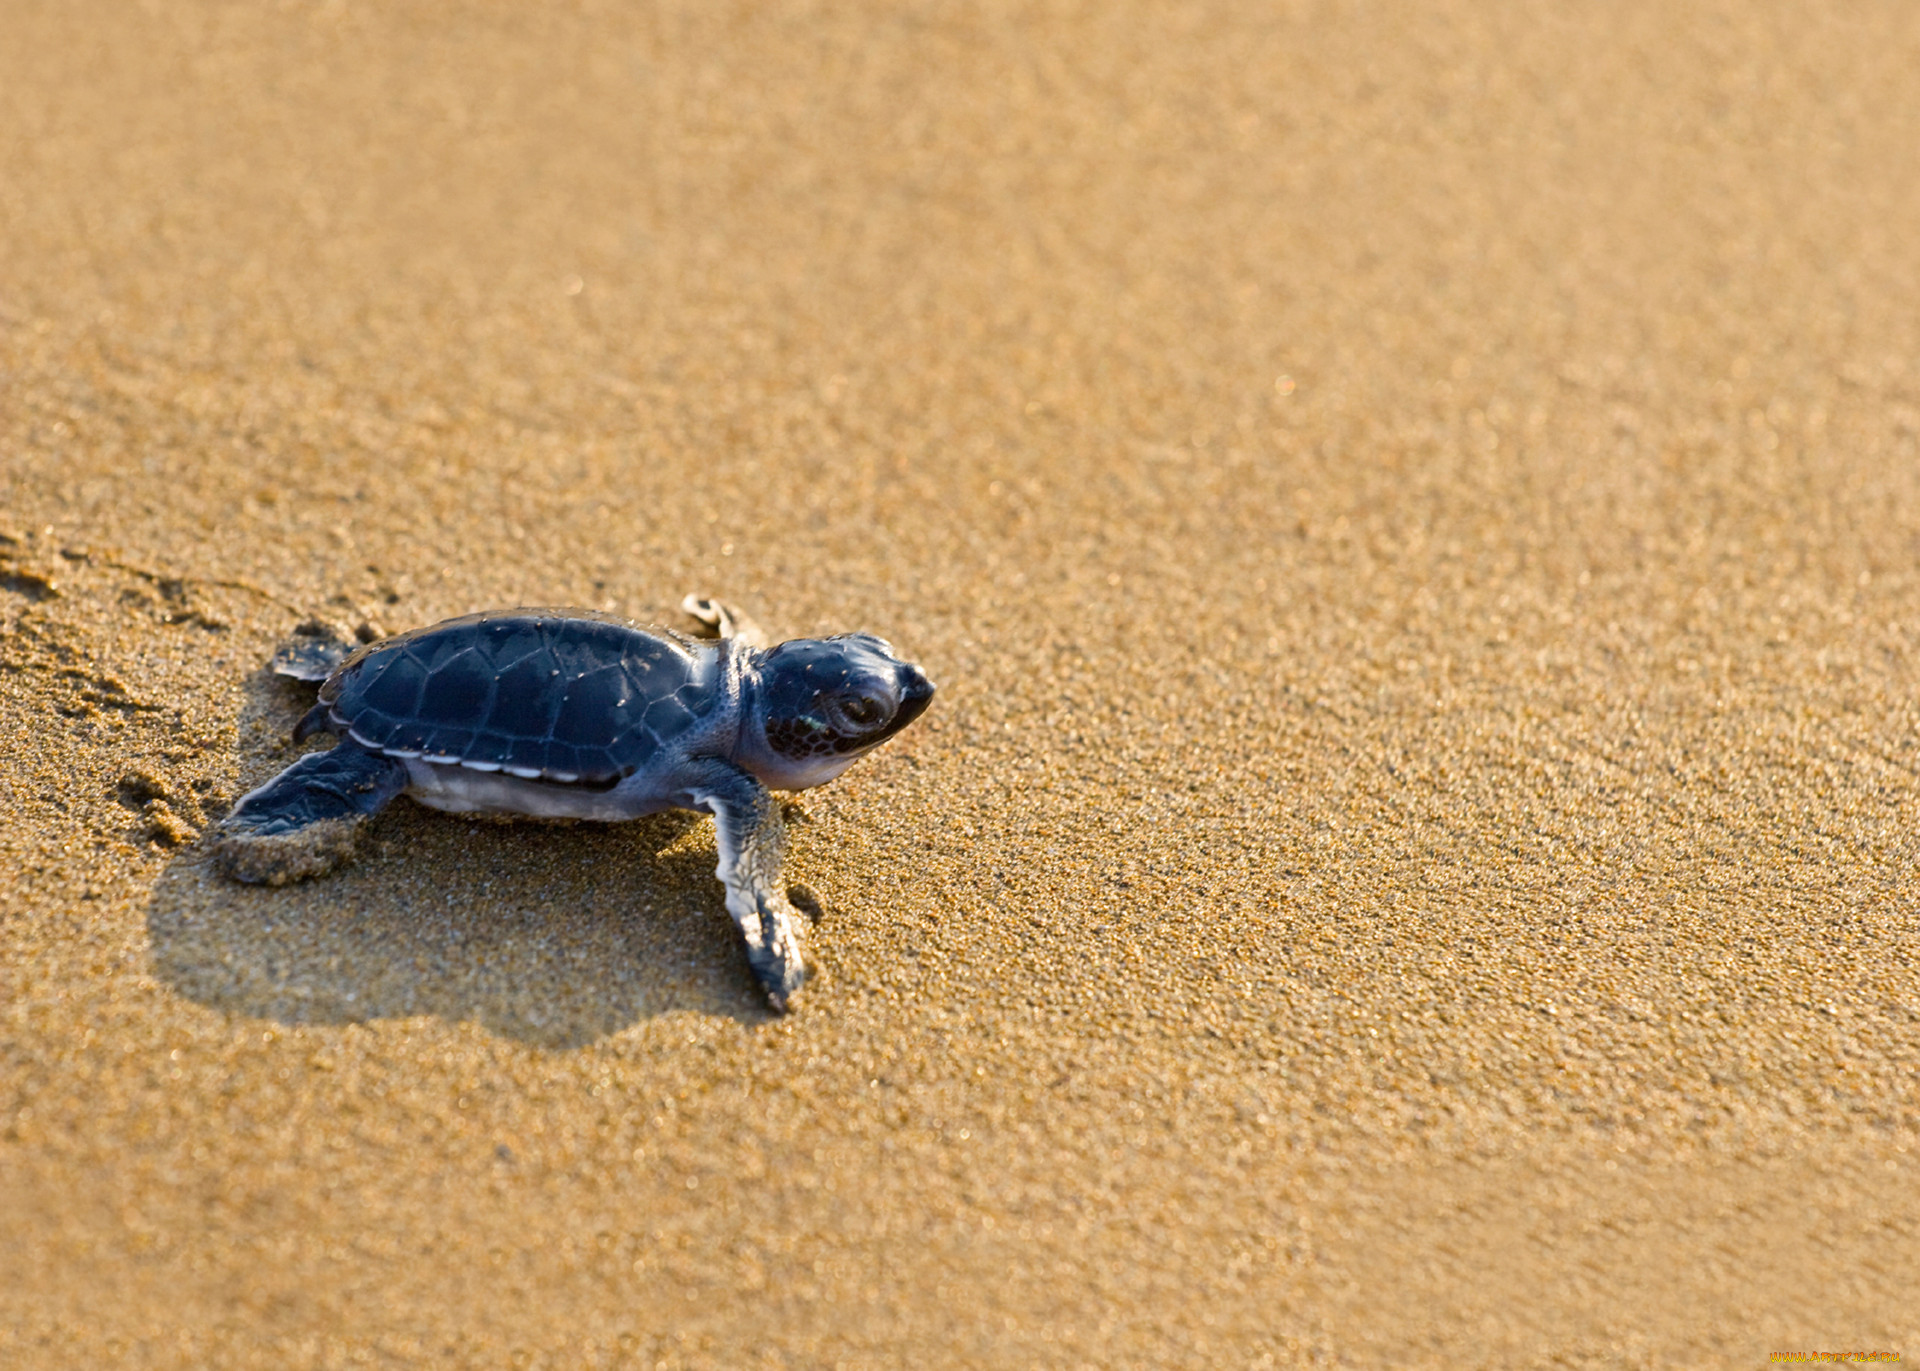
point(1413, 517)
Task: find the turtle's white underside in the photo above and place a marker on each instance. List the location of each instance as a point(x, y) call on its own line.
point(465, 790)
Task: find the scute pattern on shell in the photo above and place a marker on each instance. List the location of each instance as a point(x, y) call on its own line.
point(566, 696)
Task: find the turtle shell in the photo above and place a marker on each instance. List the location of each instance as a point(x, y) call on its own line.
point(564, 695)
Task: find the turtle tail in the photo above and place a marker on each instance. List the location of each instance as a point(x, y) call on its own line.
point(315, 720)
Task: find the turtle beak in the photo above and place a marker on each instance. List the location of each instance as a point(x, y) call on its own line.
point(916, 693)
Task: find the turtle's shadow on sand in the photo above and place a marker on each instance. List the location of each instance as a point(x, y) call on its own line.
point(552, 935)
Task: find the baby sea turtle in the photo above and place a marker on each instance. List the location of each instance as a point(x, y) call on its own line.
point(568, 713)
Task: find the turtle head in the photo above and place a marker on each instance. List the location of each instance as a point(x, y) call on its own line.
point(820, 703)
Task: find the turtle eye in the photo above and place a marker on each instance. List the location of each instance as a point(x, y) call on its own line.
point(861, 710)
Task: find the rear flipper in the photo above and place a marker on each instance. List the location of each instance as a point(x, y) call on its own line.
point(314, 652)
point(305, 820)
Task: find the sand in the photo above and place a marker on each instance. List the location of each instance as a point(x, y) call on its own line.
point(1413, 518)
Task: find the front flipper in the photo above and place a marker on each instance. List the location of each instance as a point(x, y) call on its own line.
point(752, 841)
point(305, 820)
point(722, 620)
